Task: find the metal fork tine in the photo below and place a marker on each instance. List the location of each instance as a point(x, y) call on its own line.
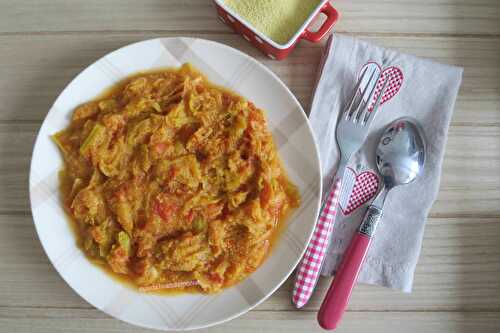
point(366, 108)
point(368, 115)
point(361, 102)
point(353, 98)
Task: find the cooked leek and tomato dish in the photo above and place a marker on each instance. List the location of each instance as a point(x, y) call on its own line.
point(170, 179)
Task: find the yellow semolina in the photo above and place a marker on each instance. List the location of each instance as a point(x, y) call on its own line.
point(277, 19)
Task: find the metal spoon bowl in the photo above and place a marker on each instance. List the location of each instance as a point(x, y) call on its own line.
point(400, 155)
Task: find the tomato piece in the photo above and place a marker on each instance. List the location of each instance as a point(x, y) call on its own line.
point(160, 147)
point(265, 194)
point(214, 277)
point(190, 216)
point(213, 210)
point(173, 172)
point(121, 193)
point(164, 210)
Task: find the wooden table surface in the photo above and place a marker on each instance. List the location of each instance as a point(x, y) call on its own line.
point(45, 43)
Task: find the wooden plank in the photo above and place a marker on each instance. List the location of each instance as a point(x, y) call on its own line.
point(15, 151)
point(52, 320)
point(111, 15)
point(469, 186)
point(377, 322)
point(364, 16)
point(38, 67)
point(470, 181)
point(457, 263)
point(453, 274)
point(419, 17)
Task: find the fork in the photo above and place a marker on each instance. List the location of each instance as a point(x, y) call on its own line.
point(352, 129)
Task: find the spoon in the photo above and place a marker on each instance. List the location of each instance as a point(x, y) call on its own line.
point(400, 159)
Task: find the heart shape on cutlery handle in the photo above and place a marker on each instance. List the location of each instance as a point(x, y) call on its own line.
point(358, 189)
point(393, 74)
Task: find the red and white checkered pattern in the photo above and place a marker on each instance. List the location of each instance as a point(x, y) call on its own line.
point(365, 188)
point(395, 77)
point(310, 266)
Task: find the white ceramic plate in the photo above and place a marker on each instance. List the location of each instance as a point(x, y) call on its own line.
point(292, 133)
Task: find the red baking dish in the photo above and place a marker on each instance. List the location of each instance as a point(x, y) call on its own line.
point(272, 49)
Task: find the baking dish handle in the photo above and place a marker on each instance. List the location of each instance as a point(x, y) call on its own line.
point(331, 17)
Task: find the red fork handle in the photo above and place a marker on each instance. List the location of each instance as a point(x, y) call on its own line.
point(333, 307)
point(331, 17)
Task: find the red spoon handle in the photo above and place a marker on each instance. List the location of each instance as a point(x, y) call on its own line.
point(340, 290)
point(338, 294)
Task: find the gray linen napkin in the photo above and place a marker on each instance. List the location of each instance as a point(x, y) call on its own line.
point(421, 89)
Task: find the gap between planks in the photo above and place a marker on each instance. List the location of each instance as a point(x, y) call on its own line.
point(492, 36)
point(38, 122)
point(256, 309)
point(431, 216)
point(486, 216)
